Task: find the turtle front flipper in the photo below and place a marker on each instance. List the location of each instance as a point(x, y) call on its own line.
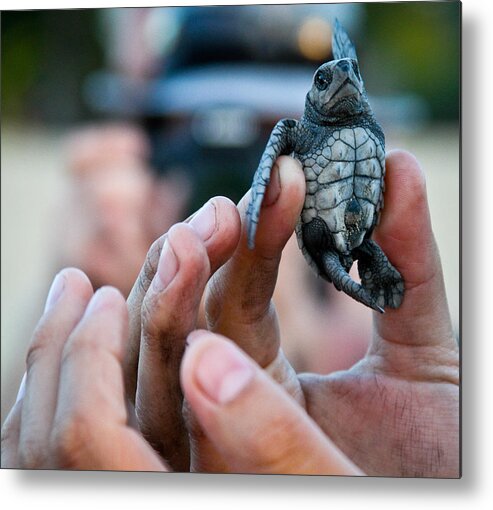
point(378, 276)
point(342, 46)
point(280, 142)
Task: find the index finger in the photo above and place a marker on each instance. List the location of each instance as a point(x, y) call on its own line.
point(219, 245)
point(239, 297)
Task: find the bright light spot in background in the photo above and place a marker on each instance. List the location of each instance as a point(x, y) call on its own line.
point(315, 39)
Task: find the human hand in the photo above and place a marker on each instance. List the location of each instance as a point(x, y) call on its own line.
point(388, 414)
point(161, 318)
point(71, 411)
point(395, 412)
point(164, 306)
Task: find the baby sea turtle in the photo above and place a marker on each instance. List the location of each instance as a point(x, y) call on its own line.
point(342, 150)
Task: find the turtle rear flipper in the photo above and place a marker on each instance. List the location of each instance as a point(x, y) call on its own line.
point(335, 272)
point(331, 266)
point(378, 276)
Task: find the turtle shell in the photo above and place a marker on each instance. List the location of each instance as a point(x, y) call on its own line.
point(344, 186)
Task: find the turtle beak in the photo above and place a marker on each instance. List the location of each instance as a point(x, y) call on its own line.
point(349, 85)
point(346, 88)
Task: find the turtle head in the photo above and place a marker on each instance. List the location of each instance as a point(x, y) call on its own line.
point(338, 92)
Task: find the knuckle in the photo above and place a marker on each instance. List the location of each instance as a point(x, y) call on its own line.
point(152, 322)
point(256, 312)
point(69, 440)
point(7, 434)
point(147, 314)
point(9, 438)
point(253, 306)
point(159, 322)
point(255, 300)
point(150, 265)
point(165, 340)
point(40, 344)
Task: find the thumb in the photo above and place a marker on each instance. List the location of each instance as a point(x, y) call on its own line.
point(405, 234)
point(251, 421)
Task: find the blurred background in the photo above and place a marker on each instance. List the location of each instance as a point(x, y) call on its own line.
point(119, 122)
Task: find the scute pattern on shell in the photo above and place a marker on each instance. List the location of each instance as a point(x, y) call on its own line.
point(350, 163)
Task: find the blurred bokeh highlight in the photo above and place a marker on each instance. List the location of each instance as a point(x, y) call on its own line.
point(119, 122)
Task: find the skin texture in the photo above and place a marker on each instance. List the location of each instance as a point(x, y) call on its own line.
point(394, 413)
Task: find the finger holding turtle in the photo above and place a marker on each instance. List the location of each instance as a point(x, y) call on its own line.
point(408, 382)
point(405, 233)
point(239, 296)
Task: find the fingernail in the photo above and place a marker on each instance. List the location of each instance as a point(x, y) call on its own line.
point(223, 372)
point(55, 291)
point(166, 269)
point(204, 221)
point(274, 188)
point(22, 389)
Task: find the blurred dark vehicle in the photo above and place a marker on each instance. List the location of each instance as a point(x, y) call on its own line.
point(229, 75)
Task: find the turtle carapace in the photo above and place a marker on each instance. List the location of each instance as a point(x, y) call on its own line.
point(342, 150)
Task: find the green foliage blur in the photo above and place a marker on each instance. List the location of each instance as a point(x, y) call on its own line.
point(46, 55)
point(419, 43)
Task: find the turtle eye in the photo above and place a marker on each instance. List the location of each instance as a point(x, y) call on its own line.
point(321, 80)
